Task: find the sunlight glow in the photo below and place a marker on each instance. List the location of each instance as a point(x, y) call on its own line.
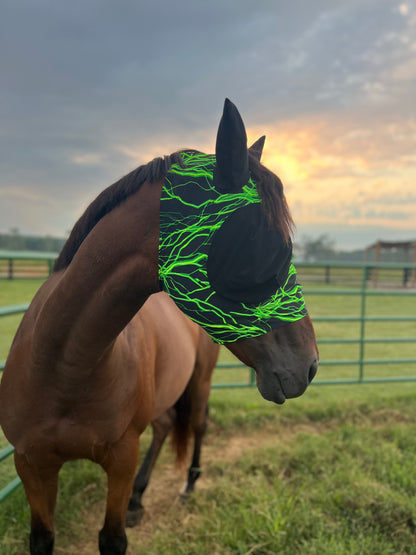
point(340, 174)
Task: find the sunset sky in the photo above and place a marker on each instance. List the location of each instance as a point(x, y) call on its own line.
point(91, 89)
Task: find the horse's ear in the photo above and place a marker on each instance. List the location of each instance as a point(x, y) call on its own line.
point(257, 148)
point(231, 170)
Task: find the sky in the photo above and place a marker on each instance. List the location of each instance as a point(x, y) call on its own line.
point(91, 89)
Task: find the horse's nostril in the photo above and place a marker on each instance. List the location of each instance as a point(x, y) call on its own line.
point(312, 370)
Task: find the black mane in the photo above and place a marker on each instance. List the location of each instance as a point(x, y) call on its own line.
point(274, 204)
point(108, 199)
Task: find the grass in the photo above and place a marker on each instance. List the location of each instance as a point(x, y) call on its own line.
point(14, 292)
point(331, 472)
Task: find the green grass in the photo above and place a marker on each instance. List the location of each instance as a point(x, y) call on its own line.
point(18, 291)
point(14, 292)
point(333, 475)
point(329, 473)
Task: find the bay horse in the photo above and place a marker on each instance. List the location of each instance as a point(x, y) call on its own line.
point(213, 231)
point(188, 415)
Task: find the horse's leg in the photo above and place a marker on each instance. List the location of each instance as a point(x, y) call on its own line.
point(200, 389)
point(161, 428)
point(119, 464)
point(194, 472)
point(41, 486)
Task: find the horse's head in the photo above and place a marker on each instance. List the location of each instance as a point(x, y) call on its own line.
point(225, 257)
point(286, 358)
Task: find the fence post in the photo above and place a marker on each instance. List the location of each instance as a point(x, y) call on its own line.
point(362, 323)
point(10, 273)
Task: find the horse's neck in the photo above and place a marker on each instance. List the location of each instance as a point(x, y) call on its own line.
point(110, 277)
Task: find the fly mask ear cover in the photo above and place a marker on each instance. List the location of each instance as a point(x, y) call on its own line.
point(259, 291)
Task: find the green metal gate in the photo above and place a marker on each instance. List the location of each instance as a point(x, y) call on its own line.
point(366, 283)
point(363, 278)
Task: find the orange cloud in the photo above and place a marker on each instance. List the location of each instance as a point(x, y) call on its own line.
point(335, 171)
point(342, 173)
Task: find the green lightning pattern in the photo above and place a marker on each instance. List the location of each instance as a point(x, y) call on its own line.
point(191, 210)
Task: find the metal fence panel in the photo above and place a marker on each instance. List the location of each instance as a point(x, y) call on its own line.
point(363, 276)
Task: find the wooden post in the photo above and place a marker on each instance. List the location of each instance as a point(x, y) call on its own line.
point(10, 275)
point(376, 260)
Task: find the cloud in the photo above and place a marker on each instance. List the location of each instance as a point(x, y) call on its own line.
point(336, 173)
point(25, 195)
point(91, 90)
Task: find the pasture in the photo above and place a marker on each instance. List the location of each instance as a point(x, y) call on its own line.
point(330, 472)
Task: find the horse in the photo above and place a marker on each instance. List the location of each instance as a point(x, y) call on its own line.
point(212, 231)
point(188, 414)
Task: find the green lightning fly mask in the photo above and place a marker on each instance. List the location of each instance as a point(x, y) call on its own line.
point(219, 259)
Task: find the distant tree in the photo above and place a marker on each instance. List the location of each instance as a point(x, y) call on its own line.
point(16, 241)
point(314, 250)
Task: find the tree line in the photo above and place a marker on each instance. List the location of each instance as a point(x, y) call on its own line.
point(15, 241)
point(322, 248)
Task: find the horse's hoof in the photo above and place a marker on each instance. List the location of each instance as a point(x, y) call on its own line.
point(134, 517)
point(185, 493)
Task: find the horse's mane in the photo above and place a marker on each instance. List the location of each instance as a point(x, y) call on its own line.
point(108, 199)
point(269, 187)
point(274, 204)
